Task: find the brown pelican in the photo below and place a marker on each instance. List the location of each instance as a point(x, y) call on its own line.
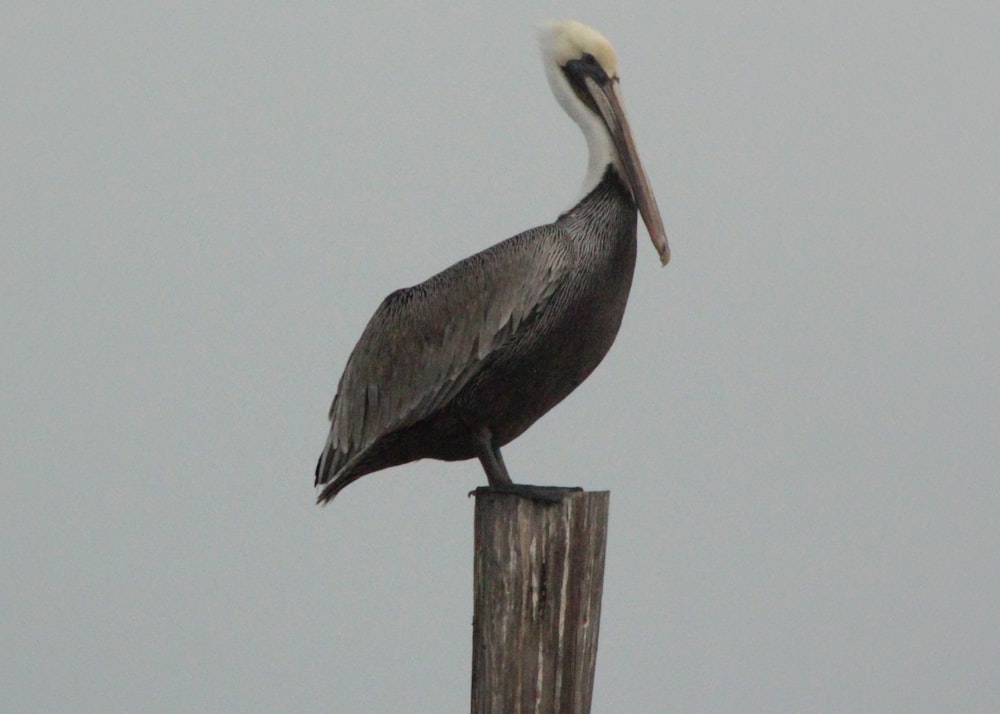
point(463, 363)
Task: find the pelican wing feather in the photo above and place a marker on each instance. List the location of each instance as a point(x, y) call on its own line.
point(426, 342)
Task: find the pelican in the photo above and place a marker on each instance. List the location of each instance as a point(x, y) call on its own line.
point(463, 363)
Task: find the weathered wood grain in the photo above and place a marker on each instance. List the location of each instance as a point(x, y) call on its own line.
point(539, 575)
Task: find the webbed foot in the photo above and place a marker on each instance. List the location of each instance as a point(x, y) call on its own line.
point(543, 494)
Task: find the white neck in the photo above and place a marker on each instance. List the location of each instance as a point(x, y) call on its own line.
point(599, 145)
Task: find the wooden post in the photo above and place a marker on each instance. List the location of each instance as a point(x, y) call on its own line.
point(539, 576)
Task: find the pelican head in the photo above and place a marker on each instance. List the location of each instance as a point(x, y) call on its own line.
point(582, 70)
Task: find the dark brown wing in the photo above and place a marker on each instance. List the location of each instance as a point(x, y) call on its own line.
point(425, 343)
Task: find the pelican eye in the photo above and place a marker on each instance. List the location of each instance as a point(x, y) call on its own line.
point(586, 66)
point(592, 67)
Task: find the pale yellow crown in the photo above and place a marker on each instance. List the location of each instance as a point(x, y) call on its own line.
point(569, 40)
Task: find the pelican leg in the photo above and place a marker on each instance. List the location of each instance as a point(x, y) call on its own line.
point(500, 481)
point(492, 461)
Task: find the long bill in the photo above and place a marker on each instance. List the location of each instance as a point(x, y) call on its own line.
point(609, 101)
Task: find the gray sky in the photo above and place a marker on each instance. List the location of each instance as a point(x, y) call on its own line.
point(799, 423)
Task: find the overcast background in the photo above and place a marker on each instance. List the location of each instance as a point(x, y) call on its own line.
point(799, 424)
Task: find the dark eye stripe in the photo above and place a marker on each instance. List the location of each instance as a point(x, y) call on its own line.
point(576, 72)
point(587, 65)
